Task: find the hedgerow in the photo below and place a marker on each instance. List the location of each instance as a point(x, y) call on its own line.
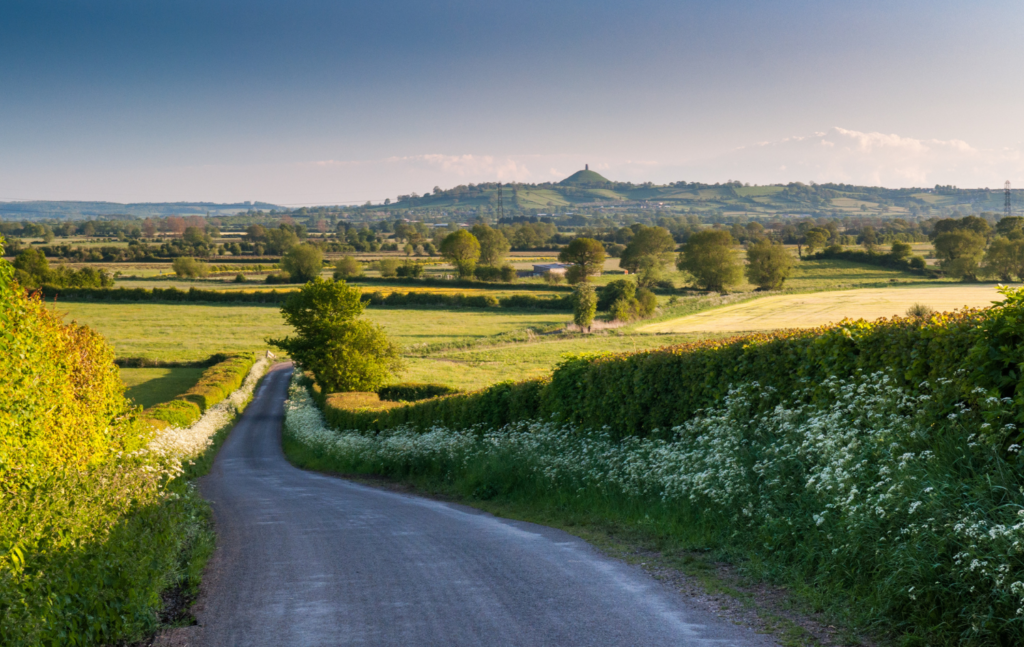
point(644, 392)
point(95, 517)
point(213, 386)
point(175, 295)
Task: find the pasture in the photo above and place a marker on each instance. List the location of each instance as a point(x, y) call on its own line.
point(809, 310)
point(150, 386)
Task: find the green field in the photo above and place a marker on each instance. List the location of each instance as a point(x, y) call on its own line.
point(150, 386)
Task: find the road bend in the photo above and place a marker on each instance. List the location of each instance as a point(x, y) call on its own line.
point(308, 559)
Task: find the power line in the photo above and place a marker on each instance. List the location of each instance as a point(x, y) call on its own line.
point(1006, 197)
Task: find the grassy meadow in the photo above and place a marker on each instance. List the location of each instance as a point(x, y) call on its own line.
point(150, 386)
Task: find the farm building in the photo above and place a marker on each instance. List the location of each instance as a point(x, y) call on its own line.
point(554, 268)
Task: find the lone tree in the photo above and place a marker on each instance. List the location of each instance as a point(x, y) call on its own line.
point(647, 253)
point(347, 267)
point(493, 244)
point(587, 255)
point(816, 238)
point(960, 250)
point(584, 305)
point(708, 256)
point(343, 352)
point(868, 238)
point(768, 264)
point(303, 263)
point(461, 249)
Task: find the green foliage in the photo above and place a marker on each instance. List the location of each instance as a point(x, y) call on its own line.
point(1005, 258)
point(387, 267)
point(998, 355)
point(615, 290)
point(650, 247)
point(410, 270)
point(647, 302)
point(960, 251)
point(708, 256)
point(33, 270)
point(637, 394)
point(216, 383)
point(493, 244)
point(411, 392)
point(899, 259)
point(584, 305)
point(88, 534)
point(303, 262)
point(816, 238)
point(347, 267)
point(187, 267)
point(587, 256)
point(461, 249)
point(343, 352)
point(768, 264)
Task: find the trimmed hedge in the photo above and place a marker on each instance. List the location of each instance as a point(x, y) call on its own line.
point(637, 394)
point(273, 297)
point(468, 301)
point(215, 384)
point(411, 391)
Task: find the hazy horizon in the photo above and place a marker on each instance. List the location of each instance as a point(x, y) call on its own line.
point(314, 102)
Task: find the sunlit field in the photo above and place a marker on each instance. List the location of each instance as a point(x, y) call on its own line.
point(809, 310)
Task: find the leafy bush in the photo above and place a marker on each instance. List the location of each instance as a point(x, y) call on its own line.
point(645, 393)
point(613, 291)
point(410, 270)
point(215, 384)
point(278, 278)
point(897, 260)
point(187, 267)
point(388, 267)
point(90, 529)
point(410, 391)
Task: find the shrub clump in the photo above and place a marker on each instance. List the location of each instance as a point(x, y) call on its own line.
point(215, 384)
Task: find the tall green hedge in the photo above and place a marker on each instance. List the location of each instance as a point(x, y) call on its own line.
point(640, 393)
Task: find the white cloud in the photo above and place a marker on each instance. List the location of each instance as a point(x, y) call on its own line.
point(872, 158)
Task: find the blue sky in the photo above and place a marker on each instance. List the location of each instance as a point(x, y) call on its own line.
point(310, 102)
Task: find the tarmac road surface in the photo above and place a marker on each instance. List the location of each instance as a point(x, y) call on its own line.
point(308, 559)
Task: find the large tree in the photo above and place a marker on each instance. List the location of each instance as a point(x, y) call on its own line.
point(1005, 258)
point(587, 255)
point(709, 257)
point(647, 253)
point(768, 264)
point(303, 263)
point(461, 249)
point(493, 244)
point(584, 305)
point(960, 251)
point(343, 352)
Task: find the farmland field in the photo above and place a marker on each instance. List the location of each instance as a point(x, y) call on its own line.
point(150, 386)
point(809, 310)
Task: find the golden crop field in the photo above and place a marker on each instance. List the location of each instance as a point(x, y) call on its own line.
point(809, 310)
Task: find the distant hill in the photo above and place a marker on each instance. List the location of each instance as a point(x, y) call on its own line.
point(75, 210)
point(584, 177)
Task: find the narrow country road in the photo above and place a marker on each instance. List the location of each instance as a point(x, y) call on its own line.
point(308, 559)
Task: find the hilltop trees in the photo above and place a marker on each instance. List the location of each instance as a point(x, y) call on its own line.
point(587, 257)
point(768, 264)
point(343, 352)
point(708, 256)
point(461, 249)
